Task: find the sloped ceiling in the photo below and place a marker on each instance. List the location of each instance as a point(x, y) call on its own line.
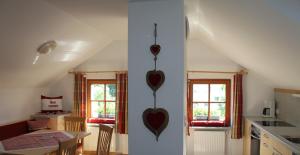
point(116, 58)
point(107, 16)
point(25, 25)
point(261, 35)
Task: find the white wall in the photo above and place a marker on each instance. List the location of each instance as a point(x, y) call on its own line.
point(63, 87)
point(19, 103)
point(256, 89)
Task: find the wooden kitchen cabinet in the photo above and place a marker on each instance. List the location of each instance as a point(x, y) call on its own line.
point(265, 149)
point(271, 146)
point(280, 149)
point(265, 144)
point(247, 137)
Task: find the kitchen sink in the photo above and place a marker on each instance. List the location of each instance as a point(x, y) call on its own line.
point(275, 123)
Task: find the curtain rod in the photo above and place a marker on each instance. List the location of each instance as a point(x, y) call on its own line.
point(221, 72)
point(85, 72)
point(191, 71)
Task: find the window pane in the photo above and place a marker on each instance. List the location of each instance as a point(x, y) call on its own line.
point(97, 92)
point(217, 111)
point(110, 109)
point(200, 111)
point(218, 93)
point(111, 92)
point(200, 93)
point(97, 109)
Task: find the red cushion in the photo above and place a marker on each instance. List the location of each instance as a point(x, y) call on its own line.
point(208, 123)
point(13, 130)
point(38, 124)
point(101, 120)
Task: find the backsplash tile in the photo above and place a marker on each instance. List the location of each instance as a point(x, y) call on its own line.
point(289, 107)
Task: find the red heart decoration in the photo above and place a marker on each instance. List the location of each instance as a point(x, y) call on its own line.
point(155, 79)
point(155, 49)
point(156, 120)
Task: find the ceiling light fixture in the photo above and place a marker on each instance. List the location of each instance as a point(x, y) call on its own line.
point(45, 48)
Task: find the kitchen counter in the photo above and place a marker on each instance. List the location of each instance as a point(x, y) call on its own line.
point(278, 132)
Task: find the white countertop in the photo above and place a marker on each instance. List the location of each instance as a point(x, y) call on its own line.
point(277, 132)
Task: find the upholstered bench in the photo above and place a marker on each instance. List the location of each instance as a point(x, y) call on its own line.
point(13, 130)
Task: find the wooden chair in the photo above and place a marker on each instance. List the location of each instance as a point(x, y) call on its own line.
point(68, 147)
point(104, 139)
point(76, 124)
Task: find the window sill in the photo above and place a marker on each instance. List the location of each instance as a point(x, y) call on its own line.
point(209, 124)
point(97, 124)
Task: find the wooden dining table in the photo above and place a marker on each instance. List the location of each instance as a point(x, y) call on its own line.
point(37, 143)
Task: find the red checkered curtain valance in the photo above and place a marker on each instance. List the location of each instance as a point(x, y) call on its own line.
point(122, 103)
point(79, 107)
point(236, 131)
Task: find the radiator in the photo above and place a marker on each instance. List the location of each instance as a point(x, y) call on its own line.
point(209, 142)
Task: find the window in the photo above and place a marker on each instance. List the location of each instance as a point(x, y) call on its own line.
point(210, 102)
point(101, 95)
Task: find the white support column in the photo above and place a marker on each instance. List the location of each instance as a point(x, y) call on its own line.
point(169, 16)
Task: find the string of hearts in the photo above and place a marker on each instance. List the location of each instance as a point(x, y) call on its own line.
point(155, 119)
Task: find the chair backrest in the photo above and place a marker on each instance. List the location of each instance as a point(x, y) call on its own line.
point(104, 139)
point(75, 124)
point(68, 147)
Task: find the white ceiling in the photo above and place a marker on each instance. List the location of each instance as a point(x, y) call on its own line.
point(25, 25)
point(106, 16)
point(261, 35)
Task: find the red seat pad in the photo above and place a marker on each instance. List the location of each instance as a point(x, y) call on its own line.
point(208, 123)
point(101, 121)
point(13, 130)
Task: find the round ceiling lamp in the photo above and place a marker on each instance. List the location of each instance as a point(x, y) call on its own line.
point(47, 47)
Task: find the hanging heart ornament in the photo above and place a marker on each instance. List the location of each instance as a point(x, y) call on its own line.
point(155, 49)
point(156, 120)
point(155, 79)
